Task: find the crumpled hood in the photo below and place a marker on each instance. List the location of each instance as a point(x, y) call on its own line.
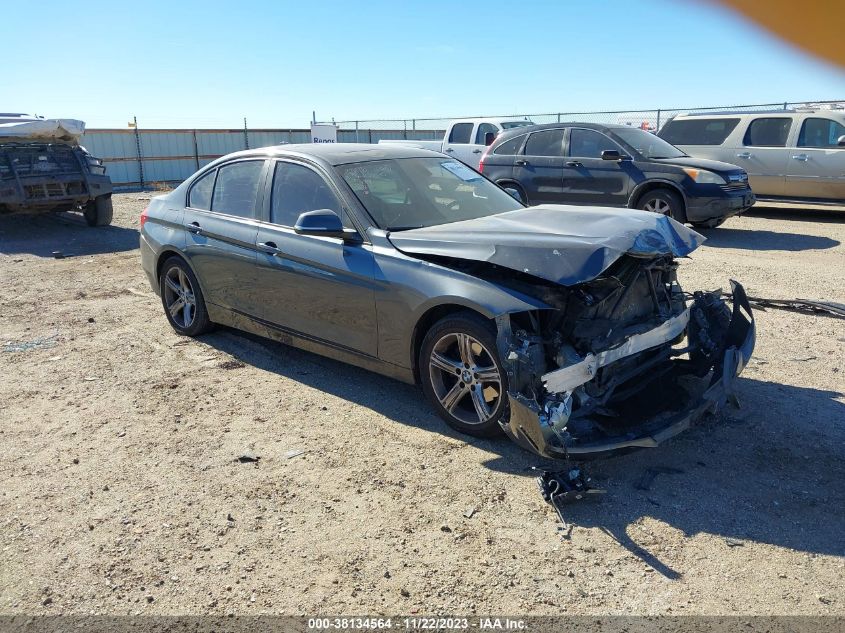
point(564, 244)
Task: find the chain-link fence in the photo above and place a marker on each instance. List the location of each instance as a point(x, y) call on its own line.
point(374, 130)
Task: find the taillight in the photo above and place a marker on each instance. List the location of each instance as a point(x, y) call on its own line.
point(481, 162)
point(144, 216)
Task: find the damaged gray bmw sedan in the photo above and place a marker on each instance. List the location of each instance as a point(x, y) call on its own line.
point(564, 327)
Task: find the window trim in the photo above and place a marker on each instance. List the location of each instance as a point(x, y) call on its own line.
point(751, 122)
point(568, 148)
point(259, 192)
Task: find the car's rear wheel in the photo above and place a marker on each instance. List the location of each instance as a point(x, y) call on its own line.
point(462, 376)
point(663, 202)
point(182, 298)
point(99, 211)
point(507, 184)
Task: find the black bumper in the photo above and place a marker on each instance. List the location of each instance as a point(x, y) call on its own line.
point(704, 208)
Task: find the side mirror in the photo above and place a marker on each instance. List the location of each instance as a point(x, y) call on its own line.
point(489, 137)
point(613, 154)
point(323, 223)
point(841, 141)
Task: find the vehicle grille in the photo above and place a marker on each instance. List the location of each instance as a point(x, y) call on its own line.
point(736, 182)
point(54, 190)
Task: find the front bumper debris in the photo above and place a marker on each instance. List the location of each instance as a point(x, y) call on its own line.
point(543, 430)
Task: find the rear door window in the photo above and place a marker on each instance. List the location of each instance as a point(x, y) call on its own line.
point(820, 133)
point(698, 131)
point(545, 143)
point(297, 189)
point(200, 194)
point(590, 144)
point(511, 147)
point(767, 132)
point(236, 189)
point(461, 133)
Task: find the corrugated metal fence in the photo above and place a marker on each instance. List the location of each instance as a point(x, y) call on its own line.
point(138, 158)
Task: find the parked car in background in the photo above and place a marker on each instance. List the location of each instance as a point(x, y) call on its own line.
point(789, 155)
point(466, 139)
point(44, 169)
point(548, 323)
point(615, 165)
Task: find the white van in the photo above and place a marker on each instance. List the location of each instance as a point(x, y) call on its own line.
point(796, 155)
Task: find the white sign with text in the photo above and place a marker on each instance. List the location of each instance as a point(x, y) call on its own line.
point(322, 133)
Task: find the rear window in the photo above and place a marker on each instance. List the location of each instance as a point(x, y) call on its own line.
point(237, 188)
point(698, 131)
point(511, 147)
point(767, 132)
point(545, 143)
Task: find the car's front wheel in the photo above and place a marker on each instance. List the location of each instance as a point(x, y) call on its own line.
point(182, 298)
point(663, 202)
point(462, 376)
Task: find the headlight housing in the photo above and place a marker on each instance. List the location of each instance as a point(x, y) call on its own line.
point(704, 177)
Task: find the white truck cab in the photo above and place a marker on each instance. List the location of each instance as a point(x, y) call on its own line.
point(466, 139)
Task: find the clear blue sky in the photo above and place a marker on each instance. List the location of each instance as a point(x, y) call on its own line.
point(181, 63)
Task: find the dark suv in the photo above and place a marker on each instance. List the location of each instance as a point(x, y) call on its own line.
point(615, 165)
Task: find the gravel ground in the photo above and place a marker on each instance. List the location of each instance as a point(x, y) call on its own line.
point(121, 492)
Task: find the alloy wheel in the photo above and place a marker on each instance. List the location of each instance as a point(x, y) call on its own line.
point(465, 378)
point(179, 297)
point(658, 205)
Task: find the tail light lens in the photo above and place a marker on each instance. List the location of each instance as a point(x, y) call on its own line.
point(144, 216)
point(481, 162)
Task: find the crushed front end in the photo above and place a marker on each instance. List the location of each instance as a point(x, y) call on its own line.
point(626, 360)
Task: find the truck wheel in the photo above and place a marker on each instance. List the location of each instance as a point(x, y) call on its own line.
point(99, 211)
point(664, 202)
point(461, 374)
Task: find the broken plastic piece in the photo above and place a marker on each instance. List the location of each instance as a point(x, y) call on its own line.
point(564, 486)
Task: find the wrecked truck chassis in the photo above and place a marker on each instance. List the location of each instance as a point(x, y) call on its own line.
point(540, 423)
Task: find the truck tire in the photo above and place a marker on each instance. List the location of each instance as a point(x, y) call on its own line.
point(99, 211)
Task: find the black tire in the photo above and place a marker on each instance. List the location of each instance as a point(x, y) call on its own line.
point(99, 211)
point(192, 318)
point(709, 224)
point(512, 185)
point(472, 394)
point(663, 198)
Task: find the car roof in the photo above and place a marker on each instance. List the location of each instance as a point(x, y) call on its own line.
point(552, 126)
point(339, 153)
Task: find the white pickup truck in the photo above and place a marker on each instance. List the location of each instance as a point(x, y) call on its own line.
point(466, 139)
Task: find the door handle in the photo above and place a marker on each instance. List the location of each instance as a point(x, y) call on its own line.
point(476, 151)
point(270, 248)
point(573, 163)
point(194, 227)
point(801, 157)
point(449, 149)
point(521, 162)
point(744, 155)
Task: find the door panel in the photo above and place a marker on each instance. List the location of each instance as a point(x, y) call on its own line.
point(540, 169)
point(458, 144)
point(762, 152)
point(319, 287)
point(587, 179)
point(816, 167)
point(221, 233)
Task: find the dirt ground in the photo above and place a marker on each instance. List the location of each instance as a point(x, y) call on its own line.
point(121, 491)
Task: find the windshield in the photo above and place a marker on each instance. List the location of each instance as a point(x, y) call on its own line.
point(509, 125)
point(410, 193)
point(647, 144)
